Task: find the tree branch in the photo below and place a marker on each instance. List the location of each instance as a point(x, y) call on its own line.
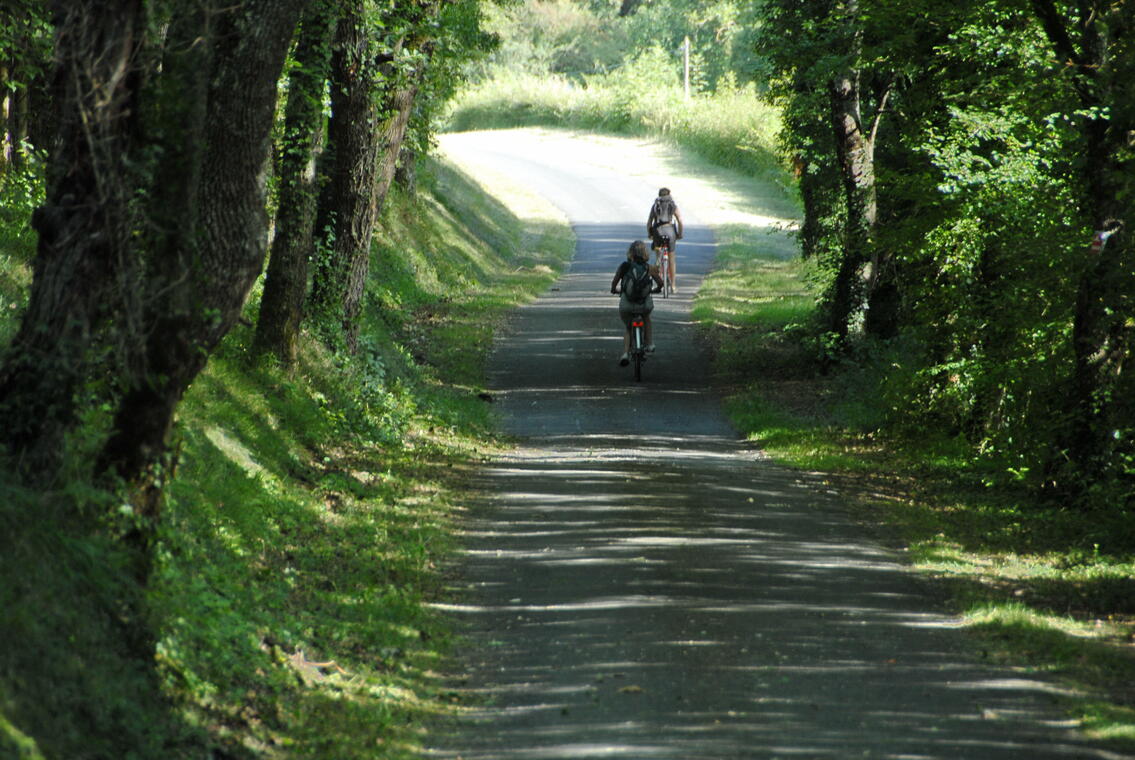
point(1056, 32)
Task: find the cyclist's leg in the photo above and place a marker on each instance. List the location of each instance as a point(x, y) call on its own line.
point(648, 324)
point(656, 247)
point(672, 239)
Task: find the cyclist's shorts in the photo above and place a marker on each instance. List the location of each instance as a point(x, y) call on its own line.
point(626, 309)
point(664, 230)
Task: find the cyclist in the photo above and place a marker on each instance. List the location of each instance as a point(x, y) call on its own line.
point(637, 253)
point(665, 222)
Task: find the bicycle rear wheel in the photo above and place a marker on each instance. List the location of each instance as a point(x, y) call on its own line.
point(638, 344)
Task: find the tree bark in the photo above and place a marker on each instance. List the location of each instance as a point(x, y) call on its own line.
point(372, 101)
point(194, 304)
point(854, 150)
point(628, 7)
point(285, 289)
point(347, 212)
point(84, 261)
point(391, 135)
point(1102, 336)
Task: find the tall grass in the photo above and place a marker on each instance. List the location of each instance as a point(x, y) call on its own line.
point(733, 128)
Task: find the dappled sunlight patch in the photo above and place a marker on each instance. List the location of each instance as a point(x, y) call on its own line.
point(234, 450)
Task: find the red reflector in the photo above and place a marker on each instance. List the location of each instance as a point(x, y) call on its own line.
point(638, 324)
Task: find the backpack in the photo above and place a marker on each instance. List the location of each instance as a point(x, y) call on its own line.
point(636, 282)
point(663, 210)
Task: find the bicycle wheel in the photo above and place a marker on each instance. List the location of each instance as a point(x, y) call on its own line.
point(638, 345)
point(665, 273)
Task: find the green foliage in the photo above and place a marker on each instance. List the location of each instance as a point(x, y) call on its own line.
point(983, 221)
point(554, 37)
point(20, 193)
point(561, 64)
point(565, 38)
point(458, 39)
point(72, 683)
point(721, 52)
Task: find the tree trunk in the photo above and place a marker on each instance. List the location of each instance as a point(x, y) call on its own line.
point(18, 119)
point(5, 123)
point(347, 212)
point(406, 175)
point(854, 151)
point(281, 306)
point(217, 263)
point(84, 260)
point(1102, 336)
point(628, 7)
point(393, 131)
point(884, 301)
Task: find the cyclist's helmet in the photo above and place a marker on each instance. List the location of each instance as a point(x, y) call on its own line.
point(663, 191)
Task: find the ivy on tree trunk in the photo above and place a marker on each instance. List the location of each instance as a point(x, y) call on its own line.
point(285, 289)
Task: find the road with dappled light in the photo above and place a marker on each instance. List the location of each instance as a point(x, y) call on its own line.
point(638, 582)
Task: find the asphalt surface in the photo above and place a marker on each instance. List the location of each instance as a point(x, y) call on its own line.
point(639, 582)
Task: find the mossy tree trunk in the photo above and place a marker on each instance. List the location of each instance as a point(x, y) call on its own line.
point(206, 264)
point(154, 227)
point(347, 211)
point(85, 267)
point(373, 91)
point(285, 289)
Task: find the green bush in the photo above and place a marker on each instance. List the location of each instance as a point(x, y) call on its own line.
point(21, 192)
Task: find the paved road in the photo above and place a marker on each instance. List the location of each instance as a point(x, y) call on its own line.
point(638, 582)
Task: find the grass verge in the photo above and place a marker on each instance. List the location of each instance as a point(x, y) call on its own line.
point(732, 128)
point(1041, 588)
point(305, 529)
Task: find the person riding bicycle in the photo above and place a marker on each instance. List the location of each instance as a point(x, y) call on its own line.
point(665, 222)
point(637, 255)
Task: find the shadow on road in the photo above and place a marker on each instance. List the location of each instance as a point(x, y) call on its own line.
point(716, 609)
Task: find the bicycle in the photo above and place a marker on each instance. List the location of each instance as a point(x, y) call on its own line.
point(638, 343)
point(637, 352)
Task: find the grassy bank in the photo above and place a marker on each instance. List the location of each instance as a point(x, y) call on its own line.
point(1041, 588)
point(732, 128)
point(305, 528)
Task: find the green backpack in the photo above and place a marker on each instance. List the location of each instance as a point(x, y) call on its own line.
point(636, 282)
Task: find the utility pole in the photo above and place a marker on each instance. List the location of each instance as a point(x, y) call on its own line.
point(686, 66)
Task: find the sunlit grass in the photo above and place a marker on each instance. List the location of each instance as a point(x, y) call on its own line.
point(753, 284)
point(731, 128)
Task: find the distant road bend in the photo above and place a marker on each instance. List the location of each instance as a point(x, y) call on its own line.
point(638, 582)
